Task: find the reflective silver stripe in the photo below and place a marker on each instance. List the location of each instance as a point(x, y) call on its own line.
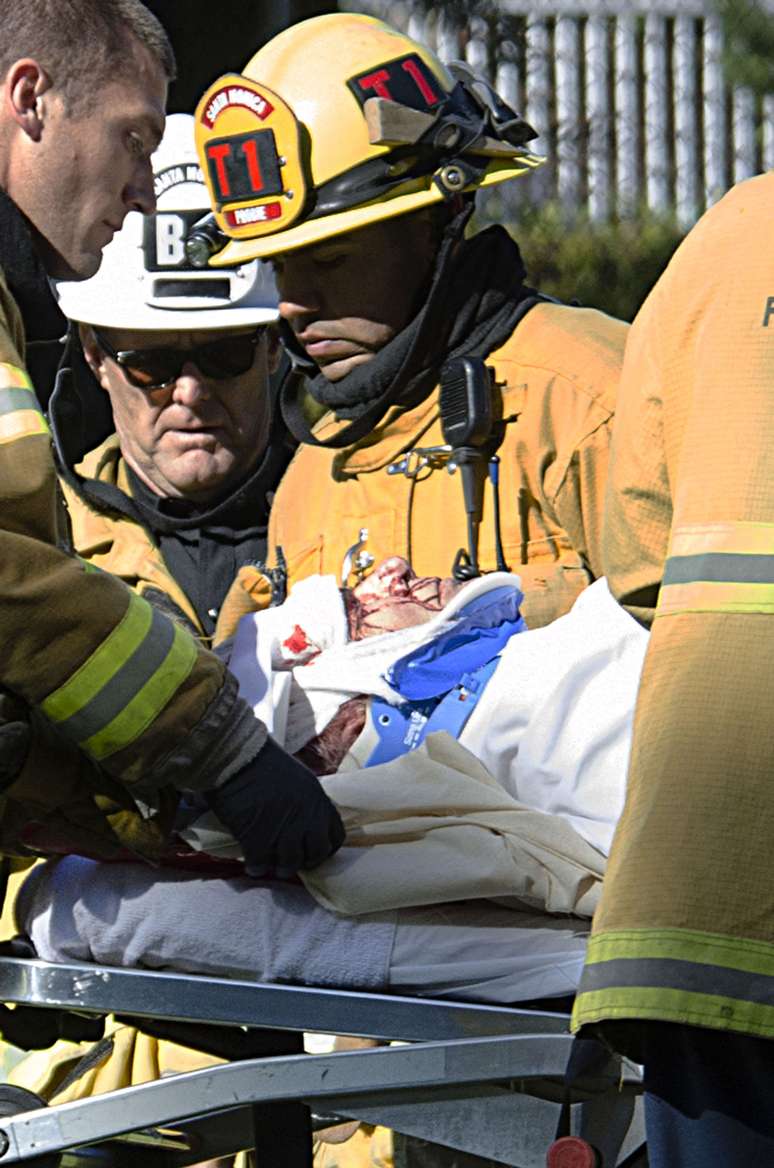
point(115, 694)
point(672, 974)
point(14, 399)
point(723, 567)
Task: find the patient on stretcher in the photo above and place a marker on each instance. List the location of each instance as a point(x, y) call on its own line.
point(479, 770)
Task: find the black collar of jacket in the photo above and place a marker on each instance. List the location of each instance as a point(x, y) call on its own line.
point(44, 322)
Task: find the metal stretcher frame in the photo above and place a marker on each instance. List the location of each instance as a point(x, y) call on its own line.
point(495, 1068)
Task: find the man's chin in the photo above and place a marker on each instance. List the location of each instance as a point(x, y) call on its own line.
point(201, 478)
point(199, 489)
point(335, 371)
point(82, 268)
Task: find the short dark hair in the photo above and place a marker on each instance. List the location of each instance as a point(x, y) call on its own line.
point(82, 42)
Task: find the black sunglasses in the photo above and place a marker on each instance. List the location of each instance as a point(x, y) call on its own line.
point(157, 368)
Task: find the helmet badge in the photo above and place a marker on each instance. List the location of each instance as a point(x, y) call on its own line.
point(248, 141)
point(406, 80)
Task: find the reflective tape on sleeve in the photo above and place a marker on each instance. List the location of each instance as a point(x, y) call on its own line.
point(13, 377)
point(722, 567)
point(20, 414)
point(678, 975)
point(125, 684)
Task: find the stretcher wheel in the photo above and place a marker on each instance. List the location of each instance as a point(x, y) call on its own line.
point(14, 1100)
point(572, 1152)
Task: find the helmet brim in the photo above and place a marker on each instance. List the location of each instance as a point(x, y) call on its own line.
point(104, 312)
point(311, 231)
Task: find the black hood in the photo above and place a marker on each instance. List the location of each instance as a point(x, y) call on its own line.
point(79, 412)
point(81, 419)
point(44, 323)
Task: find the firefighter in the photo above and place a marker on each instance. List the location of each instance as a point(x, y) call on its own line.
point(102, 696)
point(348, 155)
point(681, 962)
point(169, 442)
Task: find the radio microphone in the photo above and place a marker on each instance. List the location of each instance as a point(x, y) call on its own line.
point(466, 421)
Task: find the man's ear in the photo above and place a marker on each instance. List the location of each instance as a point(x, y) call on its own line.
point(25, 84)
point(95, 358)
point(273, 348)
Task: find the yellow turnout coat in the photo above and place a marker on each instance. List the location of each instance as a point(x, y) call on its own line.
point(558, 377)
point(685, 931)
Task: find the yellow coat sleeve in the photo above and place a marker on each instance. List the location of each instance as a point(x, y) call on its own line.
point(133, 691)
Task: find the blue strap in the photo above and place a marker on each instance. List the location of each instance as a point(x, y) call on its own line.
point(403, 728)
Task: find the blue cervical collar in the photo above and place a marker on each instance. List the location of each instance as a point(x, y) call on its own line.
point(443, 681)
point(481, 629)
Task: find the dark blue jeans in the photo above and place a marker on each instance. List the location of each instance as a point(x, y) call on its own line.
point(709, 1098)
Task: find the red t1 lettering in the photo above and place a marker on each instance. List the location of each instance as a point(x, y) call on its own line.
point(421, 82)
point(378, 82)
point(218, 154)
point(250, 151)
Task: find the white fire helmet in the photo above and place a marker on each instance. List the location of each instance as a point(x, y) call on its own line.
point(145, 280)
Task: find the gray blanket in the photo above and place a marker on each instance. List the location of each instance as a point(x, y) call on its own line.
point(129, 915)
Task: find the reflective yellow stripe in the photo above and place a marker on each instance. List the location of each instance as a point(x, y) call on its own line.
point(736, 538)
point(13, 376)
point(125, 684)
point(104, 663)
point(685, 975)
point(21, 424)
point(20, 414)
point(664, 1005)
point(146, 705)
point(684, 945)
point(710, 596)
point(719, 567)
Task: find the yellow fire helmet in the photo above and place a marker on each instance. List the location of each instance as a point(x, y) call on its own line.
point(338, 122)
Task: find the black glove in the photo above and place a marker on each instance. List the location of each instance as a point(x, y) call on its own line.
point(15, 738)
point(277, 810)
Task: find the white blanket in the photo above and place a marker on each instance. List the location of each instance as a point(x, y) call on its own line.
point(533, 818)
point(434, 826)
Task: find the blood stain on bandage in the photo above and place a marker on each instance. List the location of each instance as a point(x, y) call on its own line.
point(297, 642)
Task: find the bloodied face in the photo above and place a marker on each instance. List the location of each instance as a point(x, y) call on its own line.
point(393, 597)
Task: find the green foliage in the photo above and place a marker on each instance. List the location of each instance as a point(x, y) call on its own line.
point(611, 266)
point(749, 36)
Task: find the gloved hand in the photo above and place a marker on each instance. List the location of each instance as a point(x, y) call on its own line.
point(277, 810)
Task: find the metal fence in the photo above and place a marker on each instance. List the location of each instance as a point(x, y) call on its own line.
point(630, 98)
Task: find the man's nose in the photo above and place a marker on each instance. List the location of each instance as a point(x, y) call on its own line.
point(395, 574)
point(300, 299)
point(191, 386)
point(140, 194)
point(297, 311)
